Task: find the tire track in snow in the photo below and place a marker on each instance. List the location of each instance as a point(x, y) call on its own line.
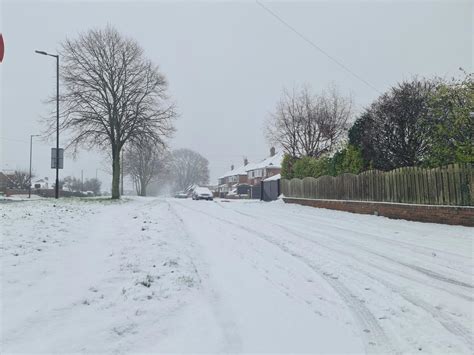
point(451, 326)
point(376, 341)
point(410, 247)
point(334, 239)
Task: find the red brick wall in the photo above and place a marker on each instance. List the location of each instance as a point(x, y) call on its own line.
point(422, 213)
point(243, 179)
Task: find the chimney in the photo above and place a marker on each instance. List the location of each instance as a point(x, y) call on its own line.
point(246, 161)
point(272, 151)
point(232, 167)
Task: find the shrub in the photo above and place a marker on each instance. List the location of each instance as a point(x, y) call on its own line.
point(347, 160)
point(287, 166)
point(308, 166)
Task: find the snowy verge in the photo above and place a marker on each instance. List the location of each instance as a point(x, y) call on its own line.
point(91, 276)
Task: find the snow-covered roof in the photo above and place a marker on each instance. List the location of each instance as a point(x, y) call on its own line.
point(273, 178)
point(270, 162)
point(239, 171)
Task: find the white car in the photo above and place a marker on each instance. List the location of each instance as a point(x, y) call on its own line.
point(202, 193)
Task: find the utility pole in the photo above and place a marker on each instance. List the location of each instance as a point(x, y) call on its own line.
point(31, 154)
point(56, 193)
point(82, 180)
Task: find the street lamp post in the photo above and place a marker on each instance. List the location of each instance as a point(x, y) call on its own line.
point(56, 193)
point(31, 154)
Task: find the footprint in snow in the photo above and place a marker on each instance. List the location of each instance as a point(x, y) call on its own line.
point(122, 330)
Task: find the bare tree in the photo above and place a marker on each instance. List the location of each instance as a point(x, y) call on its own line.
point(309, 125)
point(73, 184)
point(144, 163)
point(187, 168)
point(93, 185)
point(19, 179)
point(112, 95)
point(283, 126)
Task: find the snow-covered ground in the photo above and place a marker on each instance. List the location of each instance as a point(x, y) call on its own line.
point(168, 275)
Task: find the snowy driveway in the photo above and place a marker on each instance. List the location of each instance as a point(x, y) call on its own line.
point(179, 275)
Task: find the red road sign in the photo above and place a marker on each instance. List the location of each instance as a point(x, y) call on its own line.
point(2, 48)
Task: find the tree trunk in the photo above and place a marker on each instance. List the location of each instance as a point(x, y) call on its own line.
point(137, 188)
point(142, 188)
point(115, 173)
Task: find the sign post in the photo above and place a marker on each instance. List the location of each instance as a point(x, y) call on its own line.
point(54, 157)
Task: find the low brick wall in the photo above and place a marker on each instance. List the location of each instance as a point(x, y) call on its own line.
point(422, 213)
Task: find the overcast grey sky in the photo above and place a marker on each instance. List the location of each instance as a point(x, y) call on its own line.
point(227, 62)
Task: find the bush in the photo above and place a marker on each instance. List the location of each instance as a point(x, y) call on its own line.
point(347, 160)
point(287, 166)
point(450, 127)
point(308, 166)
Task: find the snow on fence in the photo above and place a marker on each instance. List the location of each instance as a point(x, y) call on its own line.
point(448, 185)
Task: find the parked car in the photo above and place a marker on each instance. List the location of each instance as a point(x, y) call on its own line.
point(202, 193)
point(181, 195)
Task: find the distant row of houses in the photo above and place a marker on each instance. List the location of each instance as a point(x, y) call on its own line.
point(247, 178)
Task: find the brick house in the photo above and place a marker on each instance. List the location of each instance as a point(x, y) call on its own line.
point(240, 181)
point(232, 178)
point(268, 167)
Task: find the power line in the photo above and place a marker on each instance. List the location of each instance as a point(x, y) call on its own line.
point(307, 40)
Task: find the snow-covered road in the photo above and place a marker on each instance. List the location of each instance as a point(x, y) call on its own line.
point(167, 275)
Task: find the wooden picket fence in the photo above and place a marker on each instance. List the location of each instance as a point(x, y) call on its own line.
point(447, 185)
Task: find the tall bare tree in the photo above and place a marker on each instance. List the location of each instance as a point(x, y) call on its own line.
point(20, 179)
point(187, 168)
point(305, 124)
point(112, 95)
point(144, 163)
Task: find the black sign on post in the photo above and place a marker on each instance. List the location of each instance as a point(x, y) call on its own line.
point(53, 158)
